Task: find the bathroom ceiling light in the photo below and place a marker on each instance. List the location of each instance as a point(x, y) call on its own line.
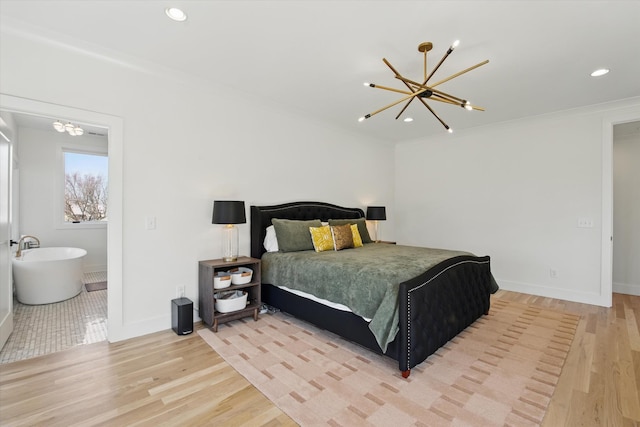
point(71, 129)
point(176, 14)
point(600, 72)
point(57, 125)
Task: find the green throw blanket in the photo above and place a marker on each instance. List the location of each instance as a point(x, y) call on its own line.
point(364, 279)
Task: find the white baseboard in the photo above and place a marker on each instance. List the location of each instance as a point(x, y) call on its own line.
point(147, 326)
point(626, 288)
point(545, 291)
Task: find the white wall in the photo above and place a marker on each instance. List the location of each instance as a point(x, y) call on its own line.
point(186, 143)
point(626, 214)
point(514, 191)
point(40, 182)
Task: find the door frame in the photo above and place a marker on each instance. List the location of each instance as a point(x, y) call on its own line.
point(606, 270)
point(114, 127)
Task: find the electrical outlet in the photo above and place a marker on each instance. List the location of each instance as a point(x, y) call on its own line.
point(553, 273)
point(179, 291)
point(585, 223)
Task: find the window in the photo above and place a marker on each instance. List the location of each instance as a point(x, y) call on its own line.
point(85, 197)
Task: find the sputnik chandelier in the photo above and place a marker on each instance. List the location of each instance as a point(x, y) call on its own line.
point(423, 91)
point(70, 128)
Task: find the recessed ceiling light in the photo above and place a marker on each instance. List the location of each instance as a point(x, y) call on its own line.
point(408, 119)
point(600, 72)
point(176, 14)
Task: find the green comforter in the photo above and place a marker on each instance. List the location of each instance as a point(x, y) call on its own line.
point(364, 279)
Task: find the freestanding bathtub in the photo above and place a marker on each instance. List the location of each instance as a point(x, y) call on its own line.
point(47, 275)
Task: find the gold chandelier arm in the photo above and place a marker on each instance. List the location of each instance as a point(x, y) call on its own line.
point(398, 76)
point(453, 76)
point(404, 79)
point(409, 81)
point(454, 100)
point(446, 55)
point(405, 107)
point(395, 103)
point(446, 95)
point(404, 92)
point(448, 101)
point(423, 88)
point(390, 66)
point(435, 115)
point(438, 98)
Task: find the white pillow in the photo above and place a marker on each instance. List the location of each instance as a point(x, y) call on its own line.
point(270, 240)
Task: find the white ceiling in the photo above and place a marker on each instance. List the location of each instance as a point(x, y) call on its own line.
point(313, 56)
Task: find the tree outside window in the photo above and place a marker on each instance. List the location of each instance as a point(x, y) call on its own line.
point(85, 187)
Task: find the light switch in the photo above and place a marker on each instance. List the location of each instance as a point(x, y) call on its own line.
point(150, 223)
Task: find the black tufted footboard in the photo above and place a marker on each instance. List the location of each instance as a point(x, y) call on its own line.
point(439, 304)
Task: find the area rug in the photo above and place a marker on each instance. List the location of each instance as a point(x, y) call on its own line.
point(96, 286)
point(501, 370)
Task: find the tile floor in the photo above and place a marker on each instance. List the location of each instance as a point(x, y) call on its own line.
point(43, 329)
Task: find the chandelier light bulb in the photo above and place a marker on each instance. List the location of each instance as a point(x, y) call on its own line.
point(361, 119)
point(408, 119)
point(468, 106)
point(455, 44)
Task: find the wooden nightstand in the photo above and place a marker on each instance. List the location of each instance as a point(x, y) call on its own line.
point(206, 299)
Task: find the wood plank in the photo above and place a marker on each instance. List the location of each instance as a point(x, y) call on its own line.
point(166, 379)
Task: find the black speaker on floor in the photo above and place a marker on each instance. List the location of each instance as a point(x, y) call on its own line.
point(182, 316)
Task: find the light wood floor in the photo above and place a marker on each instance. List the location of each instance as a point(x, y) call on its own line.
point(165, 379)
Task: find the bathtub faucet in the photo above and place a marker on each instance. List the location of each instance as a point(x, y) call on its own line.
point(26, 245)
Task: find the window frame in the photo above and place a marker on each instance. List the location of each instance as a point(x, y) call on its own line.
point(60, 223)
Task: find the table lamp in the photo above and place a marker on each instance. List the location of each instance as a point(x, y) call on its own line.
point(375, 214)
point(229, 212)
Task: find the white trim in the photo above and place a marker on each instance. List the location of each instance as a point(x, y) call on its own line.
point(606, 270)
point(606, 277)
point(551, 292)
point(114, 125)
point(626, 288)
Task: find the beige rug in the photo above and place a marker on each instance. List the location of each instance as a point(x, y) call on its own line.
point(502, 370)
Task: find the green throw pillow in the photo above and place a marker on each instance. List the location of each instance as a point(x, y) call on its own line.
point(294, 235)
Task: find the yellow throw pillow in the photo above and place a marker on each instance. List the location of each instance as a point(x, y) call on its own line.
point(357, 240)
point(322, 238)
point(342, 236)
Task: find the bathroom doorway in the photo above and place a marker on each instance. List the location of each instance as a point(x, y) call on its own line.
point(112, 126)
point(626, 208)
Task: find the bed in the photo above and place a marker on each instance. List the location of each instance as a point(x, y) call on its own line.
point(429, 306)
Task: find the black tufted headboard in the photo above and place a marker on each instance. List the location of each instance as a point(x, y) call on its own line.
point(261, 218)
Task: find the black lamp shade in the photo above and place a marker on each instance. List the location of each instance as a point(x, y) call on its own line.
point(376, 213)
point(228, 212)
